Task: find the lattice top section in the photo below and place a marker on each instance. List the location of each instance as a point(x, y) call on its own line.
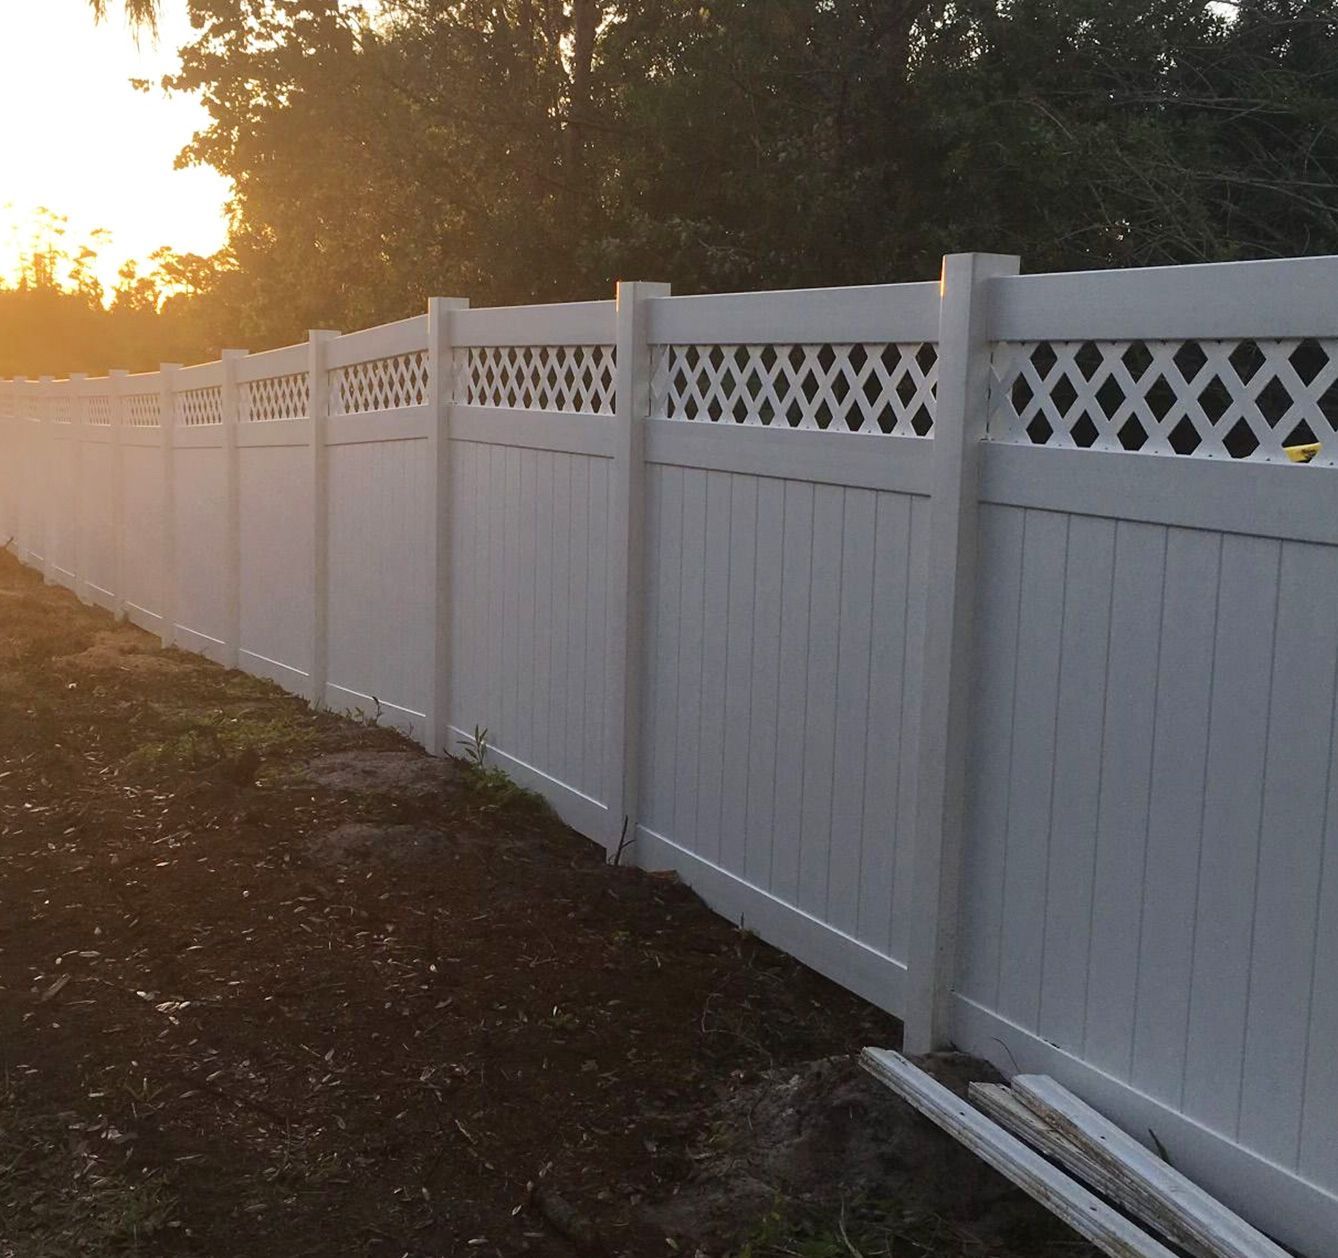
point(382, 385)
point(9, 402)
point(197, 408)
point(99, 412)
point(538, 377)
point(275, 397)
point(1202, 399)
point(142, 410)
point(844, 388)
point(59, 408)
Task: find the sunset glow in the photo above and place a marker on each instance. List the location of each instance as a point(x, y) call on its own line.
point(78, 140)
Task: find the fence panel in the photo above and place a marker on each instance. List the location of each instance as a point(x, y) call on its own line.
point(275, 516)
point(785, 593)
point(380, 579)
point(200, 474)
point(1151, 795)
point(530, 457)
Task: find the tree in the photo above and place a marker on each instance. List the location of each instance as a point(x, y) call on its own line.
point(139, 13)
point(532, 150)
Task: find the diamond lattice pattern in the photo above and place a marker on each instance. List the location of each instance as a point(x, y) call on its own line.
point(1206, 399)
point(382, 385)
point(275, 397)
point(142, 410)
point(60, 408)
point(845, 388)
point(578, 378)
point(99, 413)
point(197, 408)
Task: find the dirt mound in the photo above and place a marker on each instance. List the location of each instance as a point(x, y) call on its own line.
point(825, 1141)
point(359, 841)
point(404, 773)
point(127, 649)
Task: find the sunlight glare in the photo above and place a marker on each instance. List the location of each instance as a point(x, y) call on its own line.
point(78, 140)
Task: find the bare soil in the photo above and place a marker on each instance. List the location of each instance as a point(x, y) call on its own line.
point(272, 982)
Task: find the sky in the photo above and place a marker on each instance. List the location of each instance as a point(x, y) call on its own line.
point(76, 138)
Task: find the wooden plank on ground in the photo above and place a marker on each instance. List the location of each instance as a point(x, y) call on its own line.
point(1217, 1230)
point(1086, 1213)
point(1111, 1181)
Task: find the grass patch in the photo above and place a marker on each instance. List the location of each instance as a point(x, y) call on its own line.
point(60, 1194)
point(198, 741)
point(857, 1229)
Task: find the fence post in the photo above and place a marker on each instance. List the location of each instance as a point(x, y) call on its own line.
point(959, 427)
point(627, 554)
point(318, 411)
point(441, 401)
point(167, 430)
point(47, 483)
point(116, 385)
point(230, 410)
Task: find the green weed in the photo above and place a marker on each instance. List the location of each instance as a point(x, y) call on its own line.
point(199, 741)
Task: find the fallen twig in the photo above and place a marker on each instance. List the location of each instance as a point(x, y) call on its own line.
point(241, 1102)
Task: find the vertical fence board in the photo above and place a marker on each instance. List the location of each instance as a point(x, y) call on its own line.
point(817, 736)
point(1080, 709)
point(715, 649)
point(582, 598)
point(1290, 859)
point(850, 732)
point(1175, 810)
point(1131, 688)
point(741, 631)
point(596, 671)
point(524, 738)
point(1317, 1150)
point(904, 890)
point(546, 604)
point(659, 797)
point(1224, 913)
point(998, 611)
point(688, 666)
point(1036, 700)
point(563, 685)
point(796, 576)
point(493, 562)
point(509, 732)
point(886, 738)
point(764, 690)
point(465, 581)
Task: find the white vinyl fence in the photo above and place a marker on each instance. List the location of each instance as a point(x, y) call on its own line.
point(976, 642)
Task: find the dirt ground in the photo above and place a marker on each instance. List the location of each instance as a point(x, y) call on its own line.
point(272, 982)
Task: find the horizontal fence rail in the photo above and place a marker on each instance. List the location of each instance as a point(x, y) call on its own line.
point(974, 641)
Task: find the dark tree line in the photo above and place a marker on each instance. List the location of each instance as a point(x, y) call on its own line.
point(523, 150)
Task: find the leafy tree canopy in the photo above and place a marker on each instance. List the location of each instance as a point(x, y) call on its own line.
point(534, 150)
